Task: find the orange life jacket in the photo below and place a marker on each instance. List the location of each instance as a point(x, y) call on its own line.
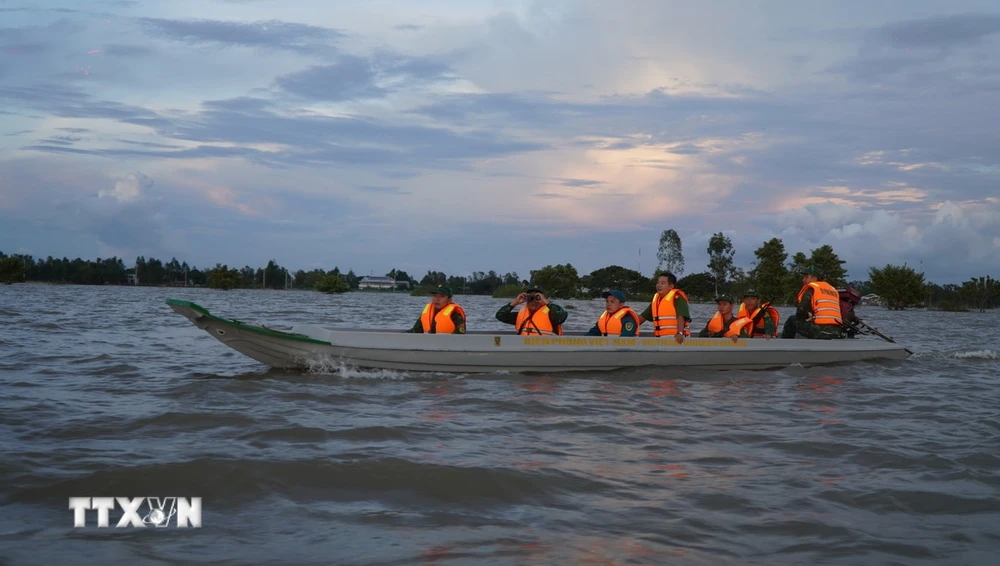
point(665, 314)
point(536, 322)
point(611, 325)
point(825, 303)
point(442, 323)
point(735, 325)
point(758, 330)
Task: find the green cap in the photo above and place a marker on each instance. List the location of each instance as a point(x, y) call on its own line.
point(614, 293)
point(752, 293)
point(810, 270)
point(725, 298)
point(442, 290)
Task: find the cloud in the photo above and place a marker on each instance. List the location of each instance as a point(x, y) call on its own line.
point(69, 102)
point(61, 140)
point(581, 182)
point(127, 50)
point(128, 188)
point(354, 78)
point(85, 210)
point(922, 52)
point(382, 190)
point(819, 218)
point(150, 144)
point(939, 31)
point(271, 34)
point(954, 241)
point(198, 152)
point(805, 123)
point(297, 139)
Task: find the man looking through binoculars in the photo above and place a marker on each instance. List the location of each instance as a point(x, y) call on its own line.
point(539, 316)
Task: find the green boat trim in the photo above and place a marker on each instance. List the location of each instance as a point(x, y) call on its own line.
point(242, 325)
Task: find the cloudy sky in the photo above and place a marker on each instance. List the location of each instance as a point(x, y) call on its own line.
point(472, 135)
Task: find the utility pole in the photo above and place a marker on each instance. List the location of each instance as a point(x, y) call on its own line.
point(928, 287)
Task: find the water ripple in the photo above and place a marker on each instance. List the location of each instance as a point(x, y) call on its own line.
point(106, 392)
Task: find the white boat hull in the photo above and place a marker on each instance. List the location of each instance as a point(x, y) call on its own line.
point(488, 352)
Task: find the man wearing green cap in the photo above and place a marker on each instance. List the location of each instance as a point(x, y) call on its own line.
point(818, 312)
point(538, 316)
point(766, 325)
point(440, 316)
point(617, 319)
point(724, 324)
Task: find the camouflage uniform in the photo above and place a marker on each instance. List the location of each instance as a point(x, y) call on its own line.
point(800, 323)
point(850, 317)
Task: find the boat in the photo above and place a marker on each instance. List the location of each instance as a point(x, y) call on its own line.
point(306, 346)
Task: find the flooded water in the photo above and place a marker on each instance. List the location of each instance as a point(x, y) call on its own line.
point(105, 392)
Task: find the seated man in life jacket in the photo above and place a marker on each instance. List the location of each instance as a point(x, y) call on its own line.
point(440, 316)
point(818, 312)
point(766, 325)
point(538, 316)
point(724, 324)
point(617, 319)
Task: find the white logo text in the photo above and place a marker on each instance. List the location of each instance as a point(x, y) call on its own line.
point(157, 511)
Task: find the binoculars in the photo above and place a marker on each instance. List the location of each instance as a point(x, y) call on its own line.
point(532, 297)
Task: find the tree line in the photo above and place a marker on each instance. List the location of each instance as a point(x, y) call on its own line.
point(773, 274)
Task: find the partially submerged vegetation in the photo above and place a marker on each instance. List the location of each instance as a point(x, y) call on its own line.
point(773, 274)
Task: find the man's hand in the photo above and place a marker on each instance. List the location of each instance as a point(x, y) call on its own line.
point(735, 338)
point(679, 337)
point(518, 299)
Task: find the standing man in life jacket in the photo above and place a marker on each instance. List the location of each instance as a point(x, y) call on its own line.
point(818, 313)
point(724, 324)
point(767, 322)
point(538, 317)
point(617, 319)
point(440, 316)
point(668, 310)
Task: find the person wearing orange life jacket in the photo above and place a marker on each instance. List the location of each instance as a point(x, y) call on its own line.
point(668, 310)
point(538, 317)
point(724, 324)
point(818, 313)
point(440, 316)
point(617, 319)
point(767, 322)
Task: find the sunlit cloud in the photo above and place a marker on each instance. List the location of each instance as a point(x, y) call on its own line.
point(226, 197)
point(405, 129)
point(128, 188)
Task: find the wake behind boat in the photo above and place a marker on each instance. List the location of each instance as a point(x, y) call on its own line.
point(489, 352)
